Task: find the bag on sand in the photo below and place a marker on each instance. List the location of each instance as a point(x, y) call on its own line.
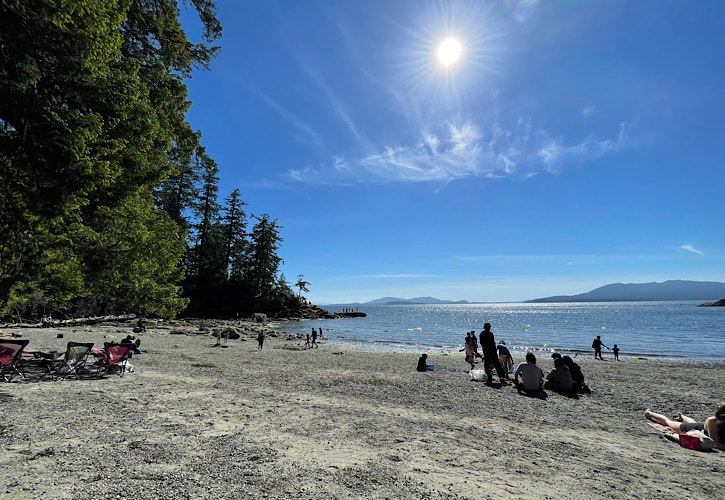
point(696, 440)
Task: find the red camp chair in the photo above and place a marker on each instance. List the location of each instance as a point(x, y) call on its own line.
point(10, 358)
point(114, 358)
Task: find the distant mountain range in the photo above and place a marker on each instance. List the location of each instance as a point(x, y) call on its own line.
point(668, 290)
point(615, 292)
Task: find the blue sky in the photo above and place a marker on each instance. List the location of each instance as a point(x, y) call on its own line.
point(572, 145)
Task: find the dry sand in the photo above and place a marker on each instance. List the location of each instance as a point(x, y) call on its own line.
point(196, 421)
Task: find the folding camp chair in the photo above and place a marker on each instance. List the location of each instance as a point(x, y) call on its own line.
point(72, 362)
point(10, 358)
point(114, 358)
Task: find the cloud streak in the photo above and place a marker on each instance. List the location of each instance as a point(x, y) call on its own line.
point(290, 118)
point(692, 249)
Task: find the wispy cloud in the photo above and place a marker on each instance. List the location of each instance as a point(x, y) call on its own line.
point(692, 249)
point(463, 150)
point(293, 120)
point(335, 103)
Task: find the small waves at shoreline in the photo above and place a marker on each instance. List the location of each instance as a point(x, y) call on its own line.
point(661, 330)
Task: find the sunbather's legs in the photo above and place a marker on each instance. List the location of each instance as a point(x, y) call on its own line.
point(663, 420)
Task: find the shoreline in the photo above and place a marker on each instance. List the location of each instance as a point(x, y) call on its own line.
point(195, 421)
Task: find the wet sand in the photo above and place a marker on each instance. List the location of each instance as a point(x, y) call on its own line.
point(198, 421)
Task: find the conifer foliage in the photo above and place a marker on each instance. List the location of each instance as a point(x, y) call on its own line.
point(108, 200)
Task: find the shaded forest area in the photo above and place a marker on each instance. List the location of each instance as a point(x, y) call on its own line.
point(109, 201)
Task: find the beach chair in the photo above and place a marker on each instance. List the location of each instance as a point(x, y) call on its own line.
point(114, 358)
point(10, 358)
point(72, 363)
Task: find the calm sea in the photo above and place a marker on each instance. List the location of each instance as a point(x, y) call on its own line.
point(640, 329)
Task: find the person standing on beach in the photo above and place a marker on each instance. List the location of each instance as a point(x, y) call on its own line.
point(615, 350)
point(504, 357)
point(597, 345)
point(260, 339)
point(490, 355)
point(314, 338)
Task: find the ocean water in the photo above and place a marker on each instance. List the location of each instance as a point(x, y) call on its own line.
point(640, 329)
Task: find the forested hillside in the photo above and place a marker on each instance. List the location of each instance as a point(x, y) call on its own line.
point(109, 200)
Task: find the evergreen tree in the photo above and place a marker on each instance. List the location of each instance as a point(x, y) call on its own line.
point(234, 227)
point(262, 262)
point(93, 106)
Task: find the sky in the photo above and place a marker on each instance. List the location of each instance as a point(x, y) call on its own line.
point(572, 144)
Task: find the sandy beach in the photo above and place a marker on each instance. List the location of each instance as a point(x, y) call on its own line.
point(198, 421)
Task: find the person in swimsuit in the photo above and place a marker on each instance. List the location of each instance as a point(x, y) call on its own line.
point(713, 426)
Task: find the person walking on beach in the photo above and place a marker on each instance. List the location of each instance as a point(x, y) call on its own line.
point(314, 338)
point(474, 343)
point(260, 339)
point(490, 355)
point(597, 345)
point(470, 359)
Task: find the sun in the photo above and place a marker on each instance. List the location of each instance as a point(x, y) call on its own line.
point(449, 51)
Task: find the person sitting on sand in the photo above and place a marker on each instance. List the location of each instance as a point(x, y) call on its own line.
point(423, 363)
point(559, 379)
point(714, 426)
point(531, 375)
point(577, 377)
point(132, 344)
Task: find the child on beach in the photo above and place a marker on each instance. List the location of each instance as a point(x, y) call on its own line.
point(469, 352)
point(615, 349)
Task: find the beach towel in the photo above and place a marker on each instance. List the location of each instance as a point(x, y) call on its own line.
point(693, 440)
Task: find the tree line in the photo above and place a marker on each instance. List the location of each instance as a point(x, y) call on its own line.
point(109, 201)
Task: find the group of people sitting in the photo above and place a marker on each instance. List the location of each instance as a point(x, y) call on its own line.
point(47, 321)
point(566, 376)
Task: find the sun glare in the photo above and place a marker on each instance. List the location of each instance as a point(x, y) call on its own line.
point(449, 51)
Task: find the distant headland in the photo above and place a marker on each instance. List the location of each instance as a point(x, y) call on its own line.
point(627, 292)
point(672, 290)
